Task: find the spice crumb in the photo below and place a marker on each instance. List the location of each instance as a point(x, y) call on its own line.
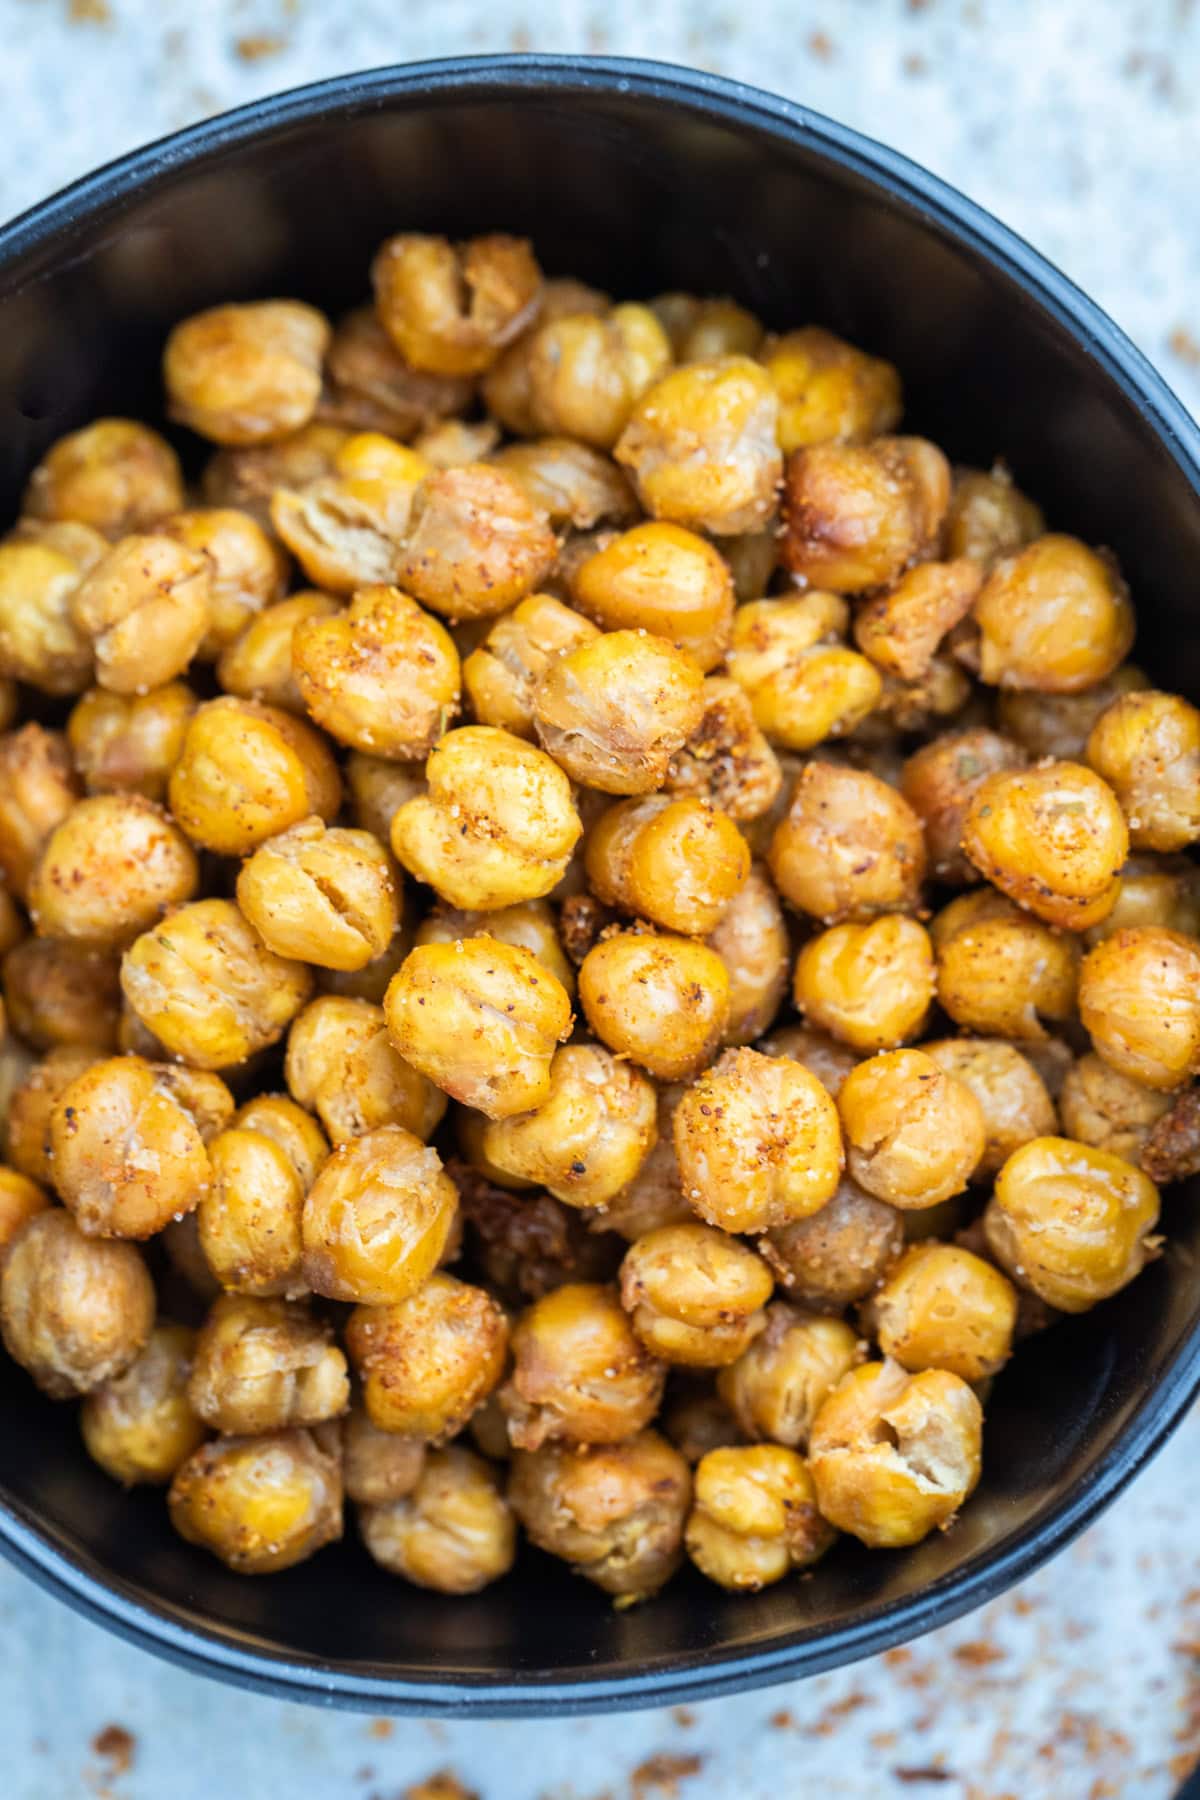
point(117, 1747)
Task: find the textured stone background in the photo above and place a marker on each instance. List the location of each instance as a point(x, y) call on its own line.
point(1076, 121)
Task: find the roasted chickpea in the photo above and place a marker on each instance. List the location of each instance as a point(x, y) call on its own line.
point(803, 683)
point(758, 1143)
point(146, 606)
point(40, 641)
point(260, 1504)
point(20, 1199)
point(829, 391)
point(247, 772)
point(727, 760)
point(378, 789)
point(914, 1134)
point(427, 1362)
point(62, 993)
point(1146, 746)
point(506, 387)
point(31, 1100)
point(1015, 1102)
point(701, 444)
point(450, 309)
point(38, 788)
point(208, 988)
point(242, 374)
point(476, 544)
point(500, 675)
point(778, 1384)
point(754, 1518)
point(661, 1000)
point(989, 516)
point(378, 1466)
point(74, 1311)
point(893, 1455)
point(615, 710)
point(345, 528)
point(821, 1055)
point(940, 780)
point(1070, 1222)
point(383, 676)
point(115, 475)
point(579, 1372)
point(129, 743)
point(848, 846)
point(1000, 971)
point(869, 985)
point(247, 478)
point(837, 1254)
point(588, 1138)
point(679, 863)
point(323, 895)
point(377, 1218)
point(249, 1220)
point(127, 1157)
point(248, 570)
point(901, 628)
point(257, 663)
point(1055, 617)
point(700, 329)
point(573, 484)
point(265, 1365)
point(941, 1307)
point(341, 1064)
point(525, 1243)
point(655, 1196)
point(530, 924)
point(662, 579)
point(586, 372)
point(1052, 838)
point(1103, 1108)
point(752, 941)
point(696, 1419)
point(855, 516)
point(140, 1426)
point(942, 694)
point(1139, 998)
point(1154, 890)
point(1059, 724)
point(371, 387)
point(453, 1532)
point(113, 866)
point(694, 1295)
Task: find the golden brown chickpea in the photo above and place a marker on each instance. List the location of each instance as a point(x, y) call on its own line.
point(452, 443)
point(451, 308)
point(848, 847)
point(914, 1135)
point(1070, 1222)
point(901, 628)
point(1055, 617)
point(531, 924)
point(777, 1386)
point(341, 1064)
point(1154, 890)
point(476, 544)
point(802, 682)
point(696, 1419)
point(378, 1466)
point(989, 516)
point(1059, 724)
point(614, 711)
point(370, 386)
point(38, 788)
point(1053, 838)
point(1103, 1108)
point(754, 1518)
point(257, 664)
point(659, 999)
point(573, 484)
point(377, 1218)
point(378, 789)
point(500, 675)
point(202, 1095)
point(829, 391)
point(1015, 1102)
point(869, 985)
point(20, 1199)
point(30, 1104)
point(62, 993)
point(679, 863)
point(662, 579)
point(127, 1157)
point(146, 606)
point(1139, 998)
point(726, 759)
point(40, 641)
point(260, 1504)
point(856, 515)
point(939, 782)
point(579, 1373)
point(1147, 748)
point(140, 1426)
point(80, 543)
point(74, 1311)
point(208, 988)
point(113, 867)
point(585, 373)
point(427, 1362)
point(1000, 971)
point(115, 475)
point(655, 1196)
point(838, 1254)
point(694, 1295)
point(247, 478)
point(943, 693)
point(345, 527)
point(701, 444)
point(506, 386)
point(265, 1365)
point(249, 1221)
point(893, 1455)
point(752, 941)
point(242, 374)
point(758, 1143)
point(453, 1533)
point(129, 743)
point(295, 1131)
point(822, 1056)
point(249, 570)
point(940, 1307)
point(247, 772)
point(383, 676)
point(615, 1513)
point(327, 896)
point(700, 329)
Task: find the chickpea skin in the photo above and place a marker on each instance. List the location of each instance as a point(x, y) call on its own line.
point(894, 1455)
point(802, 681)
point(146, 606)
point(754, 1518)
point(837, 1254)
point(661, 1000)
point(246, 773)
point(324, 895)
point(38, 788)
point(856, 516)
point(475, 545)
point(140, 1426)
point(869, 985)
point(727, 760)
point(589, 1137)
point(1052, 838)
point(129, 743)
point(259, 1504)
point(941, 779)
point(1071, 1223)
point(265, 1365)
point(242, 374)
point(662, 579)
point(501, 674)
point(128, 1157)
point(615, 710)
point(382, 677)
point(941, 1307)
point(1146, 746)
point(694, 1295)
point(1000, 971)
point(75, 1311)
point(758, 1143)
point(752, 941)
point(377, 1218)
point(40, 641)
point(679, 863)
point(114, 866)
point(1055, 617)
point(1139, 998)
point(426, 1363)
point(579, 1373)
point(453, 1533)
point(779, 1383)
point(1014, 1099)
point(573, 484)
point(848, 846)
point(451, 308)
point(914, 1135)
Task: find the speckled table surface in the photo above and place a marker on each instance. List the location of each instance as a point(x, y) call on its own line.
point(1076, 121)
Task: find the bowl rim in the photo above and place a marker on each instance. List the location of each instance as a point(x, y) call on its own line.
point(40, 237)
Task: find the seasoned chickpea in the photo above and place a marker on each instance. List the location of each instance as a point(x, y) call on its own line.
point(341, 1064)
point(476, 544)
point(378, 1466)
point(248, 477)
point(837, 1254)
point(1054, 616)
point(115, 475)
point(249, 1221)
point(803, 683)
point(257, 663)
point(378, 789)
point(901, 628)
point(248, 569)
point(38, 788)
point(346, 526)
point(914, 1134)
point(383, 676)
point(662, 579)
point(869, 985)
point(1059, 724)
point(129, 743)
point(779, 1383)
point(940, 780)
point(501, 674)
point(659, 999)
point(497, 825)
point(848, 846)
point(127, 1157)
point(587, 1140)
point(821, 1055)
point(506, 387)
point(1154, 890)
point(573, 484)
point(989, 516)
point(140, 1426)
point(893, 1455)
point(242, 374)
point(1014, 1099)
point(700, 329)
point(615, 1513)
point(62, 993)
point(323, 895)
point(758, 1143)
point(265, 1365)
point(754, 1518)
point(260, 1504)
point(453, 1532)
point(74, 1311)
point(1000, 971)
point(654, 1197)
point(32, 1098)
point(1052, 838)
point(247, 772)
point(1103, 1108)
point(377, 1218)
point(726, 759)
point(696, 1419)
point(291, 1128)
point(679, 863)
point(371, 387)
point(146, 606)
point(113, 867)
point(40, 641)
point(752, 941)
point(941, 1307)
point(616, 709)
point(701, 444)
point(694, 1295)
point(829, 391)
point(450, 309)
point(426, 1363)
point(1147, 748)
point(1139, 998)
point(585, 372)
point(856, 515)
point(579, 1372)
point(208, 988)
point(20, 1199)
point(531, 925)
point(1071, 1223)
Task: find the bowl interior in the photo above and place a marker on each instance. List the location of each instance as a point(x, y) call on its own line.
point(650, 187)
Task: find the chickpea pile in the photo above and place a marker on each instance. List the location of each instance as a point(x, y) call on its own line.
point(588, 935)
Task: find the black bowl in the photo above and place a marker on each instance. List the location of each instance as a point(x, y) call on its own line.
point(638, 177)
